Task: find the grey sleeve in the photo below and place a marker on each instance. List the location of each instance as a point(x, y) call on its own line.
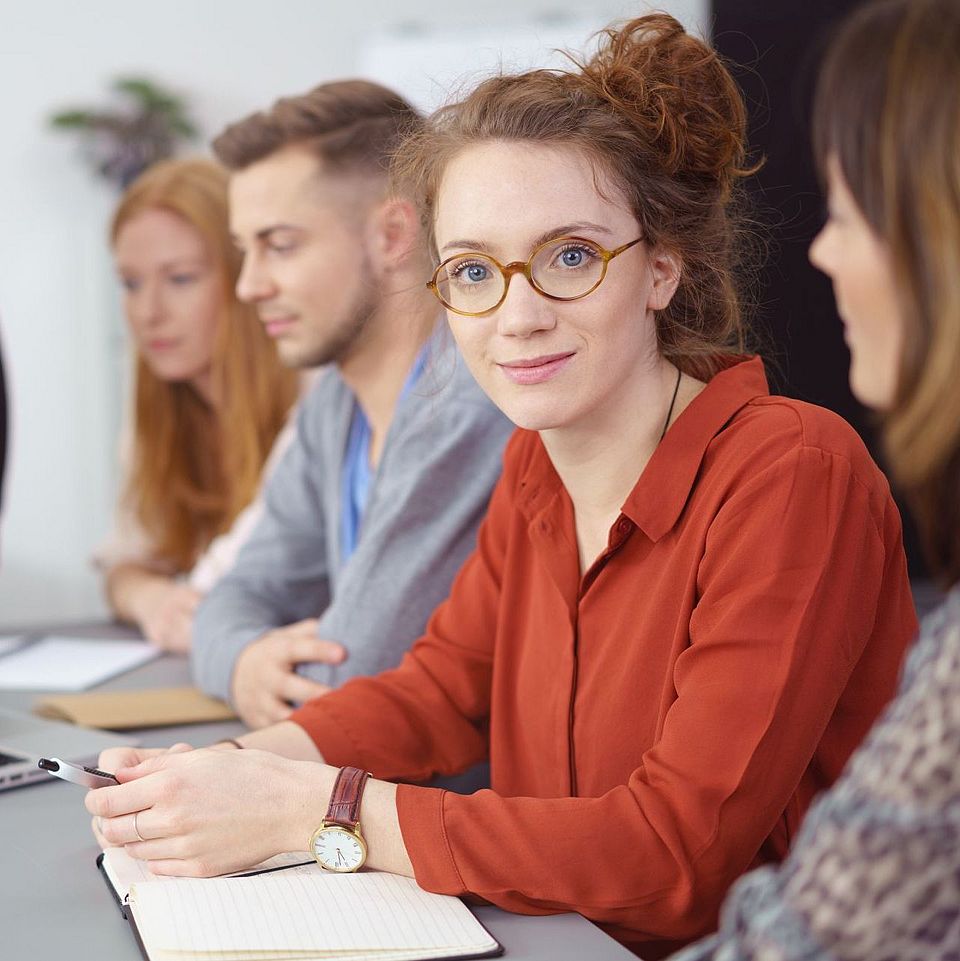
point(282, 573)
point(419, 526)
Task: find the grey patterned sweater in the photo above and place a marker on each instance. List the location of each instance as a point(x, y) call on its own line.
point(874, 873)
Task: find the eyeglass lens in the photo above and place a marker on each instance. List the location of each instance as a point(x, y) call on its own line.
point(566, 268)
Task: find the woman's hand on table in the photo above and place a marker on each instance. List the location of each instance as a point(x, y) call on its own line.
point(207, 812)
point(115, 758)
point(161, 606)
point(165, 611)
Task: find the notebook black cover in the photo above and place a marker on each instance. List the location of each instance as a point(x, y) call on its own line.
point(113, 891)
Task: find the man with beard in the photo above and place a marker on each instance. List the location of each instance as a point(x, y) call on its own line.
point(376, 505)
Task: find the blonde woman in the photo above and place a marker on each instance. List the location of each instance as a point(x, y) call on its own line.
point(210, 396)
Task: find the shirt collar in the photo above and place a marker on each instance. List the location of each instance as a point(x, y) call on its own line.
point(659, 496)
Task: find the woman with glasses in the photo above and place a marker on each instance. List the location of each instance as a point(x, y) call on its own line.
point(688, 601)
point(210, 398)
point(875, 872)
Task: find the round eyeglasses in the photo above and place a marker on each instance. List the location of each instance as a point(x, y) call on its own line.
point(567, 268)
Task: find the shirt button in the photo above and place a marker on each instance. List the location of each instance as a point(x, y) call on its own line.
point(624, 525)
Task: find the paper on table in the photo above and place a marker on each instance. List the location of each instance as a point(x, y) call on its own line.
point(9, 643)
point(71, 663)
point(370, 914)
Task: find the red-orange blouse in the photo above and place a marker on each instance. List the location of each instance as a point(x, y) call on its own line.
point(660, 724)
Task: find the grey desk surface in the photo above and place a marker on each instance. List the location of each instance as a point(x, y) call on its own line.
point(54, 904)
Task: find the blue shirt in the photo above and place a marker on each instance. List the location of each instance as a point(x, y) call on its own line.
point(357, 475)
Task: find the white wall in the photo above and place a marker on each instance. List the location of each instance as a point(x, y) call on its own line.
point(59, 315)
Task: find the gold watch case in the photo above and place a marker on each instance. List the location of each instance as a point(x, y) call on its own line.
point(351, 851)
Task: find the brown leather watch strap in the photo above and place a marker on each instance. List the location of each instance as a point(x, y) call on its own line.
point(344, 806)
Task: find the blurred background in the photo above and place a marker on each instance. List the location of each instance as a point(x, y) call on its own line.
point(60, 319)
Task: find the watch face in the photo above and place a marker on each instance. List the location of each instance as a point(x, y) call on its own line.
point(338, 849)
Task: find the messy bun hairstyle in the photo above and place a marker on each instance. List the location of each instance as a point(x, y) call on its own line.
point(663, 120)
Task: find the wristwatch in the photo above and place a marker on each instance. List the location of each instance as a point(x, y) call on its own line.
point(338, 844)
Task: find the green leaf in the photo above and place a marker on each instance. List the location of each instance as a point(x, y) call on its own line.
point(73, 118)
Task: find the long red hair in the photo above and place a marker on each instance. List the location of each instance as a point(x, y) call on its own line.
point(195, 466)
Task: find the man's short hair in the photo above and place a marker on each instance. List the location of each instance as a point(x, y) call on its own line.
point(352, 126)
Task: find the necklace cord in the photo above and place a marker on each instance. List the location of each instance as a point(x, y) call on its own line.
point(673, 401)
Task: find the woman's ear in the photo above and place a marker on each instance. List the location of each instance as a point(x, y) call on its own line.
point(665, 267)
point(394, 228)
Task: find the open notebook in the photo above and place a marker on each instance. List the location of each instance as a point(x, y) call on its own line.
point(299, 912)
point(121, 871)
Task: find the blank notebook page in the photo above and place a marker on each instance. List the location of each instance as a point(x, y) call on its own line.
point(370, 914)
point(125, 871)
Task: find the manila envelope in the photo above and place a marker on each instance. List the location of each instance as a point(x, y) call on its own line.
point(121, 710)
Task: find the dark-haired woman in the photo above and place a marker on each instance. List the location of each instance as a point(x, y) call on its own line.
point(688, 600)
point(875, 873)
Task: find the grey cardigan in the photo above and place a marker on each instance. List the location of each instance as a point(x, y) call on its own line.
point(441, 459)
